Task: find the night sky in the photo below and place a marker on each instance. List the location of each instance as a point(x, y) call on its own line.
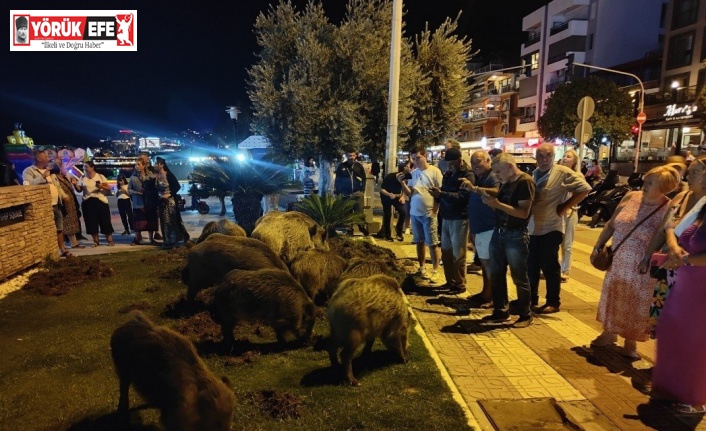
point(190, 65)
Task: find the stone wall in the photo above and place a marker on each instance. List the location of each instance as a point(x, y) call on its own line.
point(27, 230)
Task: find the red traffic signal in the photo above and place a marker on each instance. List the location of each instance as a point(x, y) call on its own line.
point(635, 129)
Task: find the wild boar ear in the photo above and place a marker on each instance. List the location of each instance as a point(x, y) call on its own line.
point(312, 230)
point(226, 380)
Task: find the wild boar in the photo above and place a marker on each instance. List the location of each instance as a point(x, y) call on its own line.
point(166, 371)
point(318, 272)
point(289, 233)
point(223, 226)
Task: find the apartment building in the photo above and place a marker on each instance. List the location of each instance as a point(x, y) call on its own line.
point(672, 124)
point(598, 32)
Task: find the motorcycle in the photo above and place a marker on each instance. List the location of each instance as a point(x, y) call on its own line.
point(589, 205)
point(607, 202)
point(197, 193)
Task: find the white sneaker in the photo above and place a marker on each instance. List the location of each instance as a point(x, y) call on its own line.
point(605, 339)
point(436, 277)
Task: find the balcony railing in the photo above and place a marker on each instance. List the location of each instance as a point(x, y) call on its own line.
point(507, 88)
point(680, 95)
point(533, 38)
point(559, 27)
point(554, 85)
point(525, 120)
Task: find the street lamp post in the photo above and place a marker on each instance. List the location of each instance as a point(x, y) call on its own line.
point(393, 88)
point(641, 107)
point(233, 112)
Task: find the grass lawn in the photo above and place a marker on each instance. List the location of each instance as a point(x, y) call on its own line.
point(56, 371)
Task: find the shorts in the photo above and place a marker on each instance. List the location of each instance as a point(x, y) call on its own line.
point(58, 218)
point(425, 227)
point(482, 244)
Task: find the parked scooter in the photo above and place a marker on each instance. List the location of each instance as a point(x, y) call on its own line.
point(608, 201)
point(588, 206)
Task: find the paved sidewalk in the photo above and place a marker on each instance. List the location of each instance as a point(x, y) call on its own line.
point(597, 389)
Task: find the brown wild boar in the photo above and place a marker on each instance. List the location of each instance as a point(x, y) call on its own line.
point(361, 310)
point(362, 268)
point(269, 296)
point(166, 371)
point(318, 272)
point(289, 233)
point(224, 226)
point(209, 261)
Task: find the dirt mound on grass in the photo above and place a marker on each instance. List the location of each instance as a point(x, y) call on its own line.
point(176, 254)
point(279, 405)
point(142, 306)
point(199, 326)
point(59, 277)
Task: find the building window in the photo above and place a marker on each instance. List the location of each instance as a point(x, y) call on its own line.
point(684, 13)
point(681, 48)
point(590, 41)
point(535, 60)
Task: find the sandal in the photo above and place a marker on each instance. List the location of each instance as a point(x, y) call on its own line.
point(111, 243)
point(66, 254)
point(96, 244)
point(136, 242)
point(78, 246)
point(689, 409)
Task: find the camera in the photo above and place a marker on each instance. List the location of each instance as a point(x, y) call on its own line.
point(407, 175)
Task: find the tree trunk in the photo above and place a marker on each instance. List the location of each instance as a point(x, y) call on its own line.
point(247, 209)
point(325, 177)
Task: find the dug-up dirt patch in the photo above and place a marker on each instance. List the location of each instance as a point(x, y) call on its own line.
point(279, 405)
point(59, 277)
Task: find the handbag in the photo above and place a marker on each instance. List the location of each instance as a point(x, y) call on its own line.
point(604, 258)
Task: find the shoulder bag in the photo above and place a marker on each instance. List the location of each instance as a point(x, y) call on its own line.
point(604, 258)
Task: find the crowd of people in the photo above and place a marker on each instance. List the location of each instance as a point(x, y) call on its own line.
point(146, 202)
point(527, 222)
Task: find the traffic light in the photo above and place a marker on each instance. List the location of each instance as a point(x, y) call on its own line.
point(635, 129)
point(636, 102)
point(569, 67)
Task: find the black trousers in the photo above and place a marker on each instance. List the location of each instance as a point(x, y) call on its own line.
point(125, 210)
point(387, 205)
point(544, 256)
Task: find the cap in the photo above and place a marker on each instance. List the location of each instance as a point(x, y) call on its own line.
point(452, 154)
point(21, 22)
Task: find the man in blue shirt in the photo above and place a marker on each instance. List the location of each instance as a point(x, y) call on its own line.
point(482, 220)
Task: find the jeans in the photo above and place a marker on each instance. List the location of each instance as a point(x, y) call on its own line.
point(454, 243)
point(387, 205)
point(509, 247)
point(568, 244)
point(125, 210)
point(543, 254)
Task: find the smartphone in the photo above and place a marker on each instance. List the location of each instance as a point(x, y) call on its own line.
point(658, 259)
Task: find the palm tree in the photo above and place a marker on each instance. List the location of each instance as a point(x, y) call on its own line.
point(330, 212)
point(247, 182)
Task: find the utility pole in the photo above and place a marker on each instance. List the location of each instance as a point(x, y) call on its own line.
point(641, 108)
point(394, 89)
point(233, 112)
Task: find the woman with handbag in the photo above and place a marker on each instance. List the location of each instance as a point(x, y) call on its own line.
point(627, 293)
point(683, 210)
point(679, 374)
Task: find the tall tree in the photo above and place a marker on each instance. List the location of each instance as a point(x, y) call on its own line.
point(612, 119)
point(364, 46)
point(442, 57)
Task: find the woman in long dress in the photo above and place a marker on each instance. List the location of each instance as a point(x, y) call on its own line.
point(679, 374)
point(627, 293)
point(72, 225)
point(169, 218)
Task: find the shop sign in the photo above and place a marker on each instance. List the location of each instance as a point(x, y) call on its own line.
point(11, 215)
point(680, 112)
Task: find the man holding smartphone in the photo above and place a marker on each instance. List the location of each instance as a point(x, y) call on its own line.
point(509, 244)
point(453, 209)
point(424, 209)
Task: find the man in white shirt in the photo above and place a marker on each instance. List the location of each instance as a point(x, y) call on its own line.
point(558, 189)
point(424, 210)
point(40, 174)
